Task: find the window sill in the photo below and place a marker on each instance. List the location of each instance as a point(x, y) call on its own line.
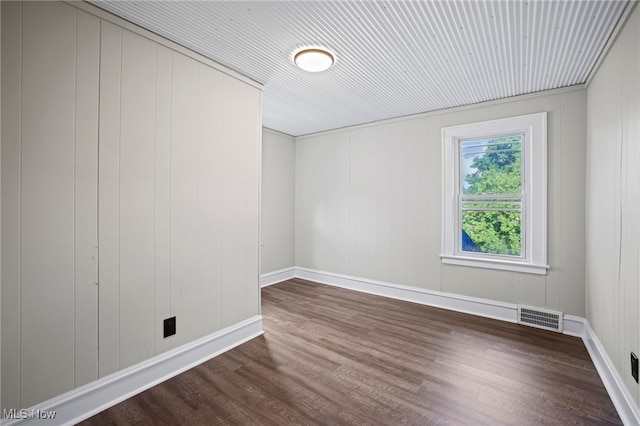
point(503, 265)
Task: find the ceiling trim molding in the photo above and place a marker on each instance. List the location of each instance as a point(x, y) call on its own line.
point(277, 132)
point(107, 16)
point(448, 110)
point(612, 40)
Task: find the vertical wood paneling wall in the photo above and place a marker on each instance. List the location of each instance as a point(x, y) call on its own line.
point(613, 203)
point(130, 193)
point(11, 113)
point(369, 200)
point(47, 198)
point(278, 207)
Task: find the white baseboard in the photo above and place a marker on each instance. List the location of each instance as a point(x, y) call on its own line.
point(278, 276)
point(83, 402)
point(620, 396)
point(573, 325)
point(453, 302)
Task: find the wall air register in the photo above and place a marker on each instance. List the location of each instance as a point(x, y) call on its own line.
point(540, 318)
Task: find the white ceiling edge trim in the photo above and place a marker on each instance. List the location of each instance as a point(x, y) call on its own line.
point(127, 25)
point(612, 40)
point(277, 132)
point(526, 96)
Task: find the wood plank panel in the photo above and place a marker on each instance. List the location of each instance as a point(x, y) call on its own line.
point(383, 187)
point(506, 286)
point(162, 217)
point(474, 281)
point(86, 199)
point(11, 141)
point(333, 216)
point(137, 176)
point(184, 198)
point(573, 136)
point(417, 263)
point(519, 284)
point(240, 197)
point(554, 201)
point(602, 304)
point(323, 202)
point(243, 205)
point(535, 290)
point(278, 201)
point(399, 201)
point(362, 202)
point(334, 356)
point(209, 199)
point(303, 203)
point(613, 194)
point(431, 184)
point(230, 222)
point(473, 115)
point(252, 130)
point(47, 201)
point(606, 209)
point(109, 200)
point(630, 278)
point(234, 118)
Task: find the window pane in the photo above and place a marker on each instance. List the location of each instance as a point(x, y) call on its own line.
point(492, 232)
point(491, 166)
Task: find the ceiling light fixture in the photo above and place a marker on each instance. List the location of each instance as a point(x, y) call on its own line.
point(314, 60)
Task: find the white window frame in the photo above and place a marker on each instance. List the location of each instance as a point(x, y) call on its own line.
point(534, 215)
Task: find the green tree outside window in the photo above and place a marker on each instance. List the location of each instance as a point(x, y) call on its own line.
point(491, 195)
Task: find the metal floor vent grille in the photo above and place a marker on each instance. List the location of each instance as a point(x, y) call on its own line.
point(549, 320)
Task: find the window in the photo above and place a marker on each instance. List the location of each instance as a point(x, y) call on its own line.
point(494, 189)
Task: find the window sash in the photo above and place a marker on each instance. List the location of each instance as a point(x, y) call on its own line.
point(461, 153)
point(519, 199)
point(494, 202)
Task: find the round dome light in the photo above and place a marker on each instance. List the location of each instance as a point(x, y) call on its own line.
point(314, 60)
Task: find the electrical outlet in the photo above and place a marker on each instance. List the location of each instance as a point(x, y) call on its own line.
point(634, 366)
point(169, 327)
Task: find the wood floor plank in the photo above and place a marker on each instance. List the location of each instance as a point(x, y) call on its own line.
point(331, 356)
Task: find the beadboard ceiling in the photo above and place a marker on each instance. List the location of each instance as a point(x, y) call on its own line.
point(393, 58)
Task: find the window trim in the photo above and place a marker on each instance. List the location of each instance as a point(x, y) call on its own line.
point(534, 155)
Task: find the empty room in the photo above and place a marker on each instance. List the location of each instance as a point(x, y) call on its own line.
point(320, 212)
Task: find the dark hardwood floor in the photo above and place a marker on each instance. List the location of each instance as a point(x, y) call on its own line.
point(331, 356)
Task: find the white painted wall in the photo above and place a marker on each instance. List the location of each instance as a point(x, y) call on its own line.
point(368, 203)
point(613, 202)
point(278, 208)
point(130, 193)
